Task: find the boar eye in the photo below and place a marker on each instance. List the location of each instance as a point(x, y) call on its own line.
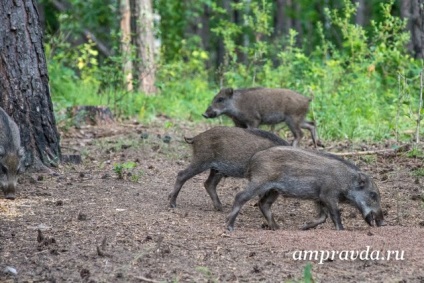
point(373, 196)
point(20, 169)
point(220, 99)
point(3, 169)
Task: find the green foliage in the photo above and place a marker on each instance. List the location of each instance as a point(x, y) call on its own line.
point(122, 168)
point(364, 85)
point(416, 152)
point(419, 172)
point(184, 87)
point(307, 274)
point(207, 273)
point(353, 87)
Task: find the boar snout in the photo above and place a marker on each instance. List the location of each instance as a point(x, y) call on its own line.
point(210, 113)
point(10, 196)
point(375, 216)
point(9, 191)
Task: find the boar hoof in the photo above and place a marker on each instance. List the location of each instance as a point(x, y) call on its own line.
point(172, 204)
point(230, 228)
point(218, 207)
point(272, 227)
point(10, 197)
point(380, 223)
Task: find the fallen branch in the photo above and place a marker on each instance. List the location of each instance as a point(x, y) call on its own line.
point(401, 148)
point(146, 279)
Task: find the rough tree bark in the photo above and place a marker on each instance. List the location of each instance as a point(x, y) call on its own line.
point(126, 43)
point(413, 10)
point(145, 46)
point(24, 82)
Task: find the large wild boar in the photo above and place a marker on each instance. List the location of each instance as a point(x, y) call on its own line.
point(251, 107)
point(11, 155)
point(226, 152)
point(324, 178)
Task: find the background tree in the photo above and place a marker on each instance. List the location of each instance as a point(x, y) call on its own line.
point(126, 43)
point(24, 82)
point(144, 42)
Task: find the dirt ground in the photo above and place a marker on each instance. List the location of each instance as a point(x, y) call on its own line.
point(108, 219)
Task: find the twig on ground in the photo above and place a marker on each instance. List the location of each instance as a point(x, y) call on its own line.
point(147, 279)
point(369, 152)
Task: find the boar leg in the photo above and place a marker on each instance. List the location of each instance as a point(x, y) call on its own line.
point(210, 185)
point(311, 127)
point(253, 124)
point(182, 177)
point(241, 198)
point(322, 216)
point(295, 129)
point(238, 123)
point(265, 204)
point(334, 211)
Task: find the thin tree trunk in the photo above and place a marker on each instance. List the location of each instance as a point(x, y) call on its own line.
point(205, 33)
point(24, 89)
point(360, 13)
point(282, 19)
point(145, 46)
point(297, 24)
point(220, 60)
point(126, 43)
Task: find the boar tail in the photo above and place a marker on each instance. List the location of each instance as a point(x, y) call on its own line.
point(189, 140)
point(248, 172)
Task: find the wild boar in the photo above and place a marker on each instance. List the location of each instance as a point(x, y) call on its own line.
point(322, 177)
point(11, 155)
point(226, 152)
point(251, 107)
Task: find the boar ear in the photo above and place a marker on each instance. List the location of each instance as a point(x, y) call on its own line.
point(229, 91)
point(362, 179)
point(21, 152)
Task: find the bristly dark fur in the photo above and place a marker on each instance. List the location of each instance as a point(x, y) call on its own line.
point(336, 157)
point(268, 135)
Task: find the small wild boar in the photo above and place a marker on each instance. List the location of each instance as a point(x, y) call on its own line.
point(11, 155)
point(226, 152)
point(251, 107)
point(322, 177)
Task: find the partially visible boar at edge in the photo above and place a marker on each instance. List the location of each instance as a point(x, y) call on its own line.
point(11, 155)
point(323, 178)
point(251, 107)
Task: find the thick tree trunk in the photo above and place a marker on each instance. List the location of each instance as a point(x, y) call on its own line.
point(145, 46)
point(417, 28)
point(24, 89)
point(126, 43)
point(413, 10)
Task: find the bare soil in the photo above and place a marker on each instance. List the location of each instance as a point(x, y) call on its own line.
point(87, 223)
